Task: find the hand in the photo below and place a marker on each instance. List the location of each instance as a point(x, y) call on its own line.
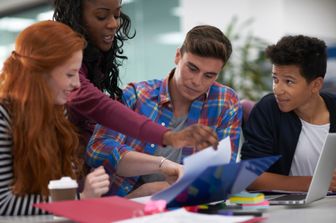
point(96, 184)
point(148, 189)
point(333, 182)
point(199, 136)
point(171, 170)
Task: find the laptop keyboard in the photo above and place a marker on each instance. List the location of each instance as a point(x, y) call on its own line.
point(290, 197)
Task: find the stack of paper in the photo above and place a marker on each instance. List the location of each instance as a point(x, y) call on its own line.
point(256, 206)
point(247, 198)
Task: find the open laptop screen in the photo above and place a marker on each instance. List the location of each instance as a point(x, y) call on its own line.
point(321, 178)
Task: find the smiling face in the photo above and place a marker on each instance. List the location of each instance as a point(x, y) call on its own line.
point(194, 75)
point(65, 78)
point(101, 19)
point(291, 89)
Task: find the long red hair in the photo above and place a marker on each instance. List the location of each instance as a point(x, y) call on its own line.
point(45, 143)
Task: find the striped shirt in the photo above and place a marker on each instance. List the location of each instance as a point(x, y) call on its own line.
point(11, 204)
point(219, 109)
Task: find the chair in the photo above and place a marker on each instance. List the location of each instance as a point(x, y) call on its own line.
point(247, 106)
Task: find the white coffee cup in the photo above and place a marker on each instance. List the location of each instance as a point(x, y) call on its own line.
point(63, 189)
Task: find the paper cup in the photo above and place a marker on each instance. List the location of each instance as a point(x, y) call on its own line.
point(63, 189)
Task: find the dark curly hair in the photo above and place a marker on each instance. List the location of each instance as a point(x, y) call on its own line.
point(103, 68)
point(309, 53)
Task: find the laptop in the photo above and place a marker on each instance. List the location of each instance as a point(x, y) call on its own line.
point(321, 179)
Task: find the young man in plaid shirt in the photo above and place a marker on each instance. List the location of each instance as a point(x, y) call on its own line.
point(188, 95)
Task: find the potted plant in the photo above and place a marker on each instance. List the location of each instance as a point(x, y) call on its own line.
point(247, 71)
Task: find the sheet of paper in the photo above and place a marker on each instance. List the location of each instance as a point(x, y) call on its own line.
point(181, 215)
point(196, 164)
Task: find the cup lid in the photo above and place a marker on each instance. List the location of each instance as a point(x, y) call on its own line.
point(64, 182)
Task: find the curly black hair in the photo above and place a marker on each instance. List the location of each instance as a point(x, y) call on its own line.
point(103, 68)
point(309, 53)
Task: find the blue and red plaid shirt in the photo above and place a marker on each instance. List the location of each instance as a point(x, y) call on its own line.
point(219, 109)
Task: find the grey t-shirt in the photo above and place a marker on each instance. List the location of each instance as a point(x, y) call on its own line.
point(173, 154)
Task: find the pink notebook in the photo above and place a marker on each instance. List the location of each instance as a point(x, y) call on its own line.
point(98, 210)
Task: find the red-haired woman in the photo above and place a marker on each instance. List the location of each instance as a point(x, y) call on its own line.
point(37, 142)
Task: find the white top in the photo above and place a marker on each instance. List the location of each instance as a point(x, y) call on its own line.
point(308, 149)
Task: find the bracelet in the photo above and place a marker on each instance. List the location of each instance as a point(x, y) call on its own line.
point(161, 161)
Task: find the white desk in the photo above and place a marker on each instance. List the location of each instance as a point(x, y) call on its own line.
point(35, 219)
point(323, 211)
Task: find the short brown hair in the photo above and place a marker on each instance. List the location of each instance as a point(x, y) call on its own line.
point(207, 41)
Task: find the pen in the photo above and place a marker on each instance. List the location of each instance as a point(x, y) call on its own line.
point(203, 206)
point(240, 213)
point(232, 207)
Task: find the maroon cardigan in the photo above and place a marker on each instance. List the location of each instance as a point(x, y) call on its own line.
point(88, 106)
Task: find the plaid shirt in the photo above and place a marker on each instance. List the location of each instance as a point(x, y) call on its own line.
point(219, 108)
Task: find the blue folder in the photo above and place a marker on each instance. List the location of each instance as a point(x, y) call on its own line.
point(215, 183)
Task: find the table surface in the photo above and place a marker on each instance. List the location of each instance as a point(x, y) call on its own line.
point(322, 211)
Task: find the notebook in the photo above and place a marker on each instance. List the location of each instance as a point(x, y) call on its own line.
point(321, 180)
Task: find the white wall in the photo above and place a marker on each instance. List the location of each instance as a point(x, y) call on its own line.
point(272, 18)
point(311, 17)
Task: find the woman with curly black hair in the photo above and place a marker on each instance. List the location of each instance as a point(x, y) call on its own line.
point(106, 28)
